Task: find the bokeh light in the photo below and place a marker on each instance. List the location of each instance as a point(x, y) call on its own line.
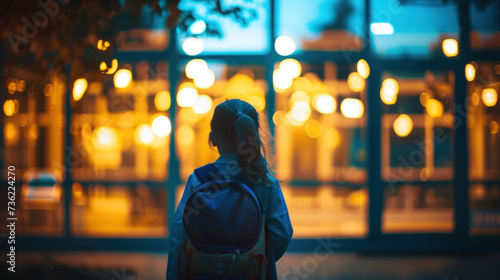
point(291, 67)
point(355, 82)
point(301, 111)
point(105, 138)
point(450, 47)
point(352, 108)
point(161, 126)
point(403, 125)
point(434, 108)
point(205, 79)
point(363, 68)
point(144, 135)
point(162, 100)
point(79, 88)
point(313, 128)
point(10, 107)
point(470, 72)
point(325, 104)
point(284, 45)
point(192, 46)
point(122, 78)
point(203, 104)
point(195, 67)
point(281, 80)
point(490, 97)
point(187, 95)
point(197, 27)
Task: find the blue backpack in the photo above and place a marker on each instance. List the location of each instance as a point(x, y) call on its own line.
point(225, 225)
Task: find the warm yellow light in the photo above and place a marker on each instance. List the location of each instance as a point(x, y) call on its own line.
point(298, 96)
point(122, 78)
point(291, 67)
point(289, 119)
point(161, 126)
point(363, 68)
point(103, 67)
point(490, 97)
point(186, 97)
point(313, 128)
point(105, 138)
point(281, 80)
point(11, 86)
point(192, 46)
point(10, 107)
point(284, 45)
point(434, 108)
point(11, 133)
point(389, 91)
point(424, 97)
point(257, 102)
point(162, 100)
point(326, 104)
point(205, 80)
point(355, 82)
point(450, 47)
point(493, 127)
point(301, 111)
point(470, 72)
point(196, 67)
point(403, 125)
point(333, 135)
point(144, 135)
point(352, 108)
point(79, 88)
point(203, 104)
point(302, 84)
point(21, 85)
point(278, 118)
point(185, 135)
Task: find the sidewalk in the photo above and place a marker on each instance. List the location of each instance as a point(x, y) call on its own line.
point(151, 266)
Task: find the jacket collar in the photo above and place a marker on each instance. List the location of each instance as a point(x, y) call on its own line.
point(226, 159)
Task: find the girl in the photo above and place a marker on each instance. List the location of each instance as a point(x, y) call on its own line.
point(235, 133)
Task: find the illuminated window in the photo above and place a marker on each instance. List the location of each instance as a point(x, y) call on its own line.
point(412, 28)
point(321, 109)
point(121, 125)
point(417, 125)
point(322, 25)
point(483, 121)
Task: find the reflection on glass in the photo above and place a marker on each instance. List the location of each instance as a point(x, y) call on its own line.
point(204, 29)
point(322, 25)
point(484, 149)
point(320, 108)
point(485, 25)
point(418, 28)
point(417, 125)
point(118, 211)
point(120, 126)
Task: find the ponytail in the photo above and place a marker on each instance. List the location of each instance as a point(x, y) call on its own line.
point(238, 122)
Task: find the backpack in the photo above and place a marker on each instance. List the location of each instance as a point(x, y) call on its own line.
point(225, 225)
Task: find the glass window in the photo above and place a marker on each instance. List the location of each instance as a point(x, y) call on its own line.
point(483, 121)
point(415, 29)
point(322, 25)
point(236, 27)
point(320, 140)
point(417, 131)
point(485, 25)
point(121, 125)
point(116, 210)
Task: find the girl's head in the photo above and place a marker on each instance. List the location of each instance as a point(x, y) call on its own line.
point(235, 130)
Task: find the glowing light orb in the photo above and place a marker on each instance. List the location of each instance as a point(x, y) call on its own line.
point(10, 107)
point(313, 128)
point(79, 88)
point(355, 82)
point(196, 67)
point(470, 72)
point(363, 68)
point(434, 108)
point(192, 46)
point(161, 126)
point(197, 27)
point(203, 104)
point(326, 104)
point(144, 135)
point(490, 97)
point(301, 111)
point(450, 47)
point(205, 80)
point(352, 108)
point(291, 67)
point(162, 100)
point(122, 78)
point(281, 80)
point(284, 45)
point(186, 97)
point(403, 125)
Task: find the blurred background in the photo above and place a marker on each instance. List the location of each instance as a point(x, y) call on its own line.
point(382, 120)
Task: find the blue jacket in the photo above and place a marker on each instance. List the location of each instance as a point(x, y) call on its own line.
point(278, 223)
